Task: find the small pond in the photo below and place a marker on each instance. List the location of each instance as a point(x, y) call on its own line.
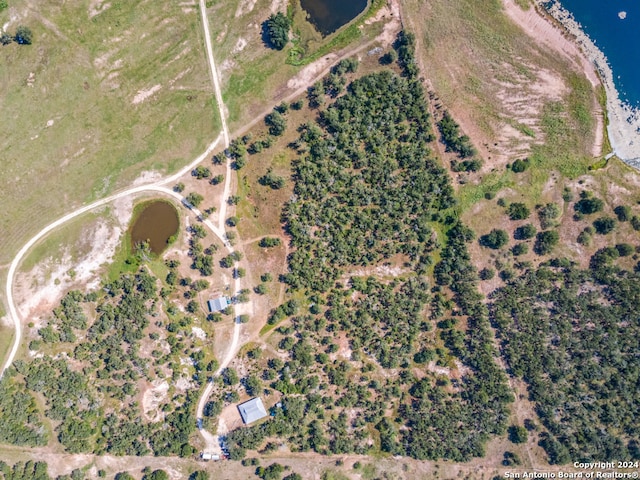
point(156, 223)
point(329, 15)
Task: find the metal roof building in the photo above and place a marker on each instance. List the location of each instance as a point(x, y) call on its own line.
point(218, 304)
point(252, 410)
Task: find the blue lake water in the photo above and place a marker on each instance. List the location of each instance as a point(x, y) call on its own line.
point(618, 39)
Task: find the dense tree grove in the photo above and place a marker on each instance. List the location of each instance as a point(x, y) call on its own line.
point(574, 337)
point(24, 471)
point(368, 194)
point(92, 393)
point(370, 203)
point(21, 422)
point(453, 139)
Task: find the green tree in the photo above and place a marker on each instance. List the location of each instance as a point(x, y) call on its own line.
point(276, 122)
point(230, 376)
point(23, 35)
point(276, 30)
point(194, 199)
point(495, 239)
point(547, 214)
point(217, 179)
point(272, 472)
point(518, 211)
point(624, 249)
point(199, 475)
point(604, 225)
point(623, 213)
point(156, 475)
point(518, 434)
point(269, 242)
point(588, 205)
point(201, 172)
point(124, 476)
point(525, 232)
point(520, 249)
point(545, 241)
point(520, 165)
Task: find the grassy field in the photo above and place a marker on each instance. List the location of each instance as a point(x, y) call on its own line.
point(513, 97)
point(94, 101)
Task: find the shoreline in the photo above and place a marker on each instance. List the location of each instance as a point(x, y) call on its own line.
point(624, 121)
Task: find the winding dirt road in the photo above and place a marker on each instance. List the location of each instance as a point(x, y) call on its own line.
point(159, 187)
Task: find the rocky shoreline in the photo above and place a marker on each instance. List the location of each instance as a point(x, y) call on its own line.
point(624, 122)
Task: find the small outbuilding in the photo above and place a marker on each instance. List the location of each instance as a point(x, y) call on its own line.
point(252, 410)
point(209, 456)
point(218, 304)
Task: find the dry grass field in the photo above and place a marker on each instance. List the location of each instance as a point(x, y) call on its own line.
point(103, 93)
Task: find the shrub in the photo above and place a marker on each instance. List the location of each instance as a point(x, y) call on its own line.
point(548, 214)
point(604, 225)
point(520, 165)
point(276, 122)
point(269, 242)
point(272, 472)
point(23, 35)
point(423, 356)
point(487, 273)
point(624, 249)
point(217, 179)
point(518, 434)
point(201, 172)
point(545, 241)
point(389, 57)
point(520, 249)
point(623, 213)
point(588, 205)
point(584, 238)
point(495, 239)
point(518, 211)
point(525, 232)
point(194, 199)
point(635, 223)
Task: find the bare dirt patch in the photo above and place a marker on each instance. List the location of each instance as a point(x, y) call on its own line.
point(244, 7)
point(154, 395)
point(305, 76)
point(39, 289)
point(142, 95)
point(96, 7)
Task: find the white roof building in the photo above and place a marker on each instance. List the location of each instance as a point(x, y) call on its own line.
point(218, 304)
point(252, 410)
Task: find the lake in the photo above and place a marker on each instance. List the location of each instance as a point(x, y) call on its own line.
point(615, 28)
point(329, 15)
point(157, 223)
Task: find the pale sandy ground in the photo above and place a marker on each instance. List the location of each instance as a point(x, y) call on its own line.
point(624, 123)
